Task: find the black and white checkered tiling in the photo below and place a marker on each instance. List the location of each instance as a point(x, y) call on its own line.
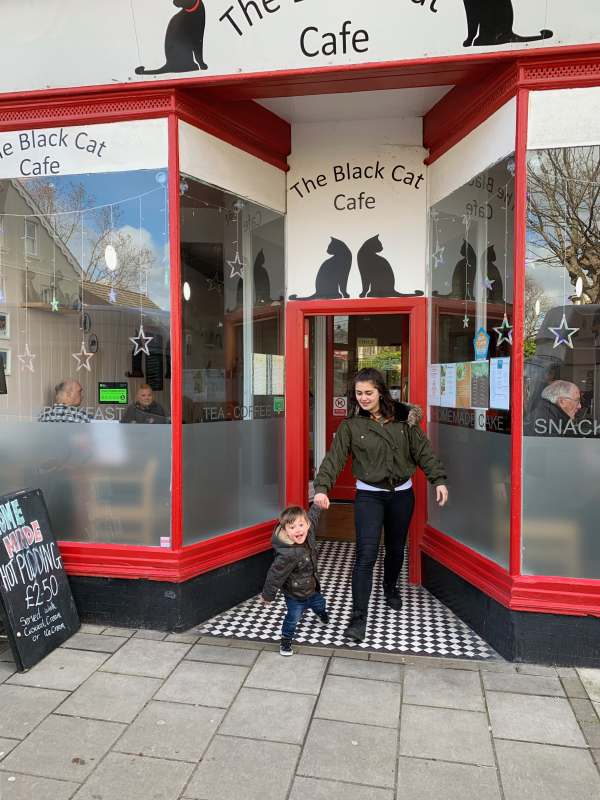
point(423, 627)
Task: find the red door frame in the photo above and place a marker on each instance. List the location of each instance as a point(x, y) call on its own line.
point(297, 382)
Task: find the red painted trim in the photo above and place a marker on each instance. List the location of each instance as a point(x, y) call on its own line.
point(418, 343)
point(296, 418)
point(546, 595)
point(176, 338)
point(517, 361)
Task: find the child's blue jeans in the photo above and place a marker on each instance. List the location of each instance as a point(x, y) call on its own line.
point(295, 609)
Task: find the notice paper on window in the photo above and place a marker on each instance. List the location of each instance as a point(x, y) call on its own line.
point(500, 383)
point(448, 385)
point(434, 385)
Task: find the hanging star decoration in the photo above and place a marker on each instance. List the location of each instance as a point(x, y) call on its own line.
point(26, 359)
point(564, 334)
point(504, 332)
point(466, 321)
point(141, 342)
point(112, 295)
point(214, 284)
point(237, 266)
point(489, 285)
point(438, 257)
point(83, 358)
point(54, 303)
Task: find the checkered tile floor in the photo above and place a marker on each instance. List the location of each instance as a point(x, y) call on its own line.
point(424, 626)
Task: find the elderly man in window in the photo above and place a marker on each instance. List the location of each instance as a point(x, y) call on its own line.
point(68, 395)
point(555, 413)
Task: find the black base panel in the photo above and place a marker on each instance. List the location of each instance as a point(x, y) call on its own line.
point(166, 606)
point(521, 636)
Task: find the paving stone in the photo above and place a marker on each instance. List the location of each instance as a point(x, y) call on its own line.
point(144, 633)
point(203, 684)
point(342, 751)
point(419, 779)
point(591, 681)
point(94, 641)
point(115, 698)
point(591, 731)
point(536, 669)
point(223, 655)
point(390, 658)
point(447, 734)
point(375, 670)
point(309, 650)
point(523, 684)
point(544, 772)
point(584, 710)
point(302, 674)
point(87, 627)
point(566, 672)
point(6, 745)
point(23, 708)
point(62, 669)
point(548, 720)
point(312, 789)
point(27, 787)
point(497, 666)
point(135, 778)
point(447, 688)
point(171, 730)
point(126, 632)
point(244, 768)
point(216, 640)
point(250, 645)
point(574, 688)
point(65, 748)
point(596, 757)
point(273, 716)
point(359, 700)
point(597, 707)
point(7, 668)
point(147, 658)
point(344, 652)
point(182, 638)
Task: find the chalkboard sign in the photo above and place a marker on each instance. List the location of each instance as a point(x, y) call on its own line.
point(35, 596)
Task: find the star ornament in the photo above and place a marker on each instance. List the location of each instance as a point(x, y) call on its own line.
point(112, 296)
point(489, 285)
point(26, 359)
point(438, 257)
point(466, 321)
point(54, 304)
point(504, 332)
point(141, 342)
point(237, 266)
point(563, 334)
point(83, 358)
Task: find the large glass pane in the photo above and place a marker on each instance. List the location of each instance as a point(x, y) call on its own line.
point(83, 272)
point(232, 254)
point(561, 448)
point(471, 276)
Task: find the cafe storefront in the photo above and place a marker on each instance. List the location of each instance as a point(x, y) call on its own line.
point(283, 192)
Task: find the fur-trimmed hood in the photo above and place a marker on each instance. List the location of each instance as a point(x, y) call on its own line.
point(403, 412)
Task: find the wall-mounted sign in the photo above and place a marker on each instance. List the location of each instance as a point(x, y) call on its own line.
point(113, 393)
point(340, 406)
point(141, 40)
point(481, 343)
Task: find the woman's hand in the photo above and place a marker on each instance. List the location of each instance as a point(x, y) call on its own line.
point(441, 495)
point(321, 500)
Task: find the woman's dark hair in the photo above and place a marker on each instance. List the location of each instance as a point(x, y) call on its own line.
point(386, 404)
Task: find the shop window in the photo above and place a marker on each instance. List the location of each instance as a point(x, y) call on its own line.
point(561, 448)
point(471, 278)
point(232, 253)
point(86, 285)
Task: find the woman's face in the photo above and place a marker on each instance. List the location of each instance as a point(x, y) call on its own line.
point(367, 396)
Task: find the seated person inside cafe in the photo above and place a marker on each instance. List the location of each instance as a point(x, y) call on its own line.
point(68, 395)
point(145, 410)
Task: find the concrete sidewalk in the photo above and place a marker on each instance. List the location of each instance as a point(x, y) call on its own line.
point(138, 715)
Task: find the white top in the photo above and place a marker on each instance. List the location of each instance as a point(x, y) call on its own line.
point(368, 488)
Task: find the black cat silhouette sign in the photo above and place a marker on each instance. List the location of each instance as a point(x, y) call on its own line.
point(184, 40)
point(490, 23)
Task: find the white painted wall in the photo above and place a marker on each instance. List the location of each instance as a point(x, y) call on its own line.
point(564, 118)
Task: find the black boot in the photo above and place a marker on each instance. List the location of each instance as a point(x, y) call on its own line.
point(357, 628)
point(392, 596)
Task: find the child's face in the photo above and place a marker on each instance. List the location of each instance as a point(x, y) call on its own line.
point(297, 530)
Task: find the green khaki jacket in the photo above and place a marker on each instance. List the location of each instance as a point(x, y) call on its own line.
point(385, 456)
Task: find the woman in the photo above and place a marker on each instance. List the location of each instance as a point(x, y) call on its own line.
point(387, 445)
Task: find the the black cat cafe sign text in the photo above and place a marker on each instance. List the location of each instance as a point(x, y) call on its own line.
point(35, 598)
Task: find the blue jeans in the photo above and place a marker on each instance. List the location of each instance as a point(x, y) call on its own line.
point(295, 609)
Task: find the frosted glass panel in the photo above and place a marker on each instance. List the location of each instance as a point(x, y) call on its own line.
point(234, 476)
point(560, 507)
point(479, 508)
point(102, 482)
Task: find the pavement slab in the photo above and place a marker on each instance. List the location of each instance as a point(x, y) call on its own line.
point(524, 684)
point(114, 698)
point(136, 778)
point(7, 668)
point(30, 787)
point(273, 716)
point(172, 731)
point(375, 670)
point(360, 700)
point(447, 688)
point(87, 627)
point(446, 734)
point(203, 684)
point(313, 789)
point(63, 669)
point(342, 751)
point(548, 720)
point(64, 748)
point(419, 779)
point(94, 642)
point(147, 633)
point(6, 745)
point(546, 772)
point(591, 681)
point(126, 632)
point(22, 709)
point(237, 656)
point(303, 674)
point(146, 658)
point(244, 768)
